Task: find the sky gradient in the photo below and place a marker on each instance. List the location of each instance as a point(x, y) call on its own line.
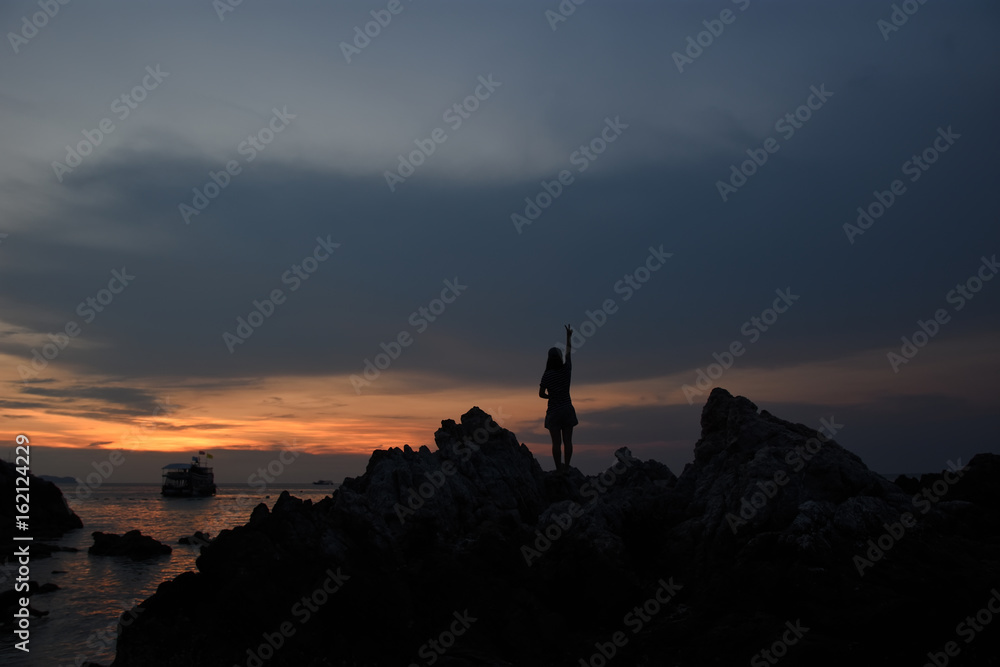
point(171, 168)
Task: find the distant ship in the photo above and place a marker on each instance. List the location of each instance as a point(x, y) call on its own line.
point(188, 479)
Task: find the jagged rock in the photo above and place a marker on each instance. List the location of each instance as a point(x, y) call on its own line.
point(132, 544)
point(975, 482)
point(50, 515)
point(744, 456)
point(551, 564)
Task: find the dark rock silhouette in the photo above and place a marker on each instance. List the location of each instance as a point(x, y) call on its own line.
point(55, 479)
point(199, 539)
point(50, 515)
point(49, 518)
point(132, 544)
point(45, 588)
point(772, 531)
point(978, 484)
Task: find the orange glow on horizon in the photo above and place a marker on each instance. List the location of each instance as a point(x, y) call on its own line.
point(322, 415)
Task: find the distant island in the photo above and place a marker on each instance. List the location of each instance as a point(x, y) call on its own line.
point(59, 480)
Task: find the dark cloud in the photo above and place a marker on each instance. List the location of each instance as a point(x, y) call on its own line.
point(20, 405)
point(133, 401)
point(655, 186)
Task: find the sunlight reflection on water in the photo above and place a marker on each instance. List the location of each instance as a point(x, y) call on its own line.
point(95, 590)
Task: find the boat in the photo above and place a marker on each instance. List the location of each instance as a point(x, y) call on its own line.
point(188, 479)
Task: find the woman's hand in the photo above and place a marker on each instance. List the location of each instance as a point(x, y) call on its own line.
point(569, 331)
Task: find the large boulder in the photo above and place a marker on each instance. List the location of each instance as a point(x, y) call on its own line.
point(50, 515)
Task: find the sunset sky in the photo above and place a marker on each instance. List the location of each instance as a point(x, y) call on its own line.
point(167, 165)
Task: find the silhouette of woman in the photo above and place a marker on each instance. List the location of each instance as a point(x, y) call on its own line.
point(560, 417)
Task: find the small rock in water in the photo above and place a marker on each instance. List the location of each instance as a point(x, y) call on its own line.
point(133, 544)
point(198, 538)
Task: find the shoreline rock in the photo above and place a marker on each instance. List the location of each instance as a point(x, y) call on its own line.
point(50, 515)
point(552, 565)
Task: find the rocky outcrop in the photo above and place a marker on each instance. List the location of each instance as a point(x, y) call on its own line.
point(976, 484)
point(50, 515)
point(470, 554)
point(132, 544)
point(783, 523)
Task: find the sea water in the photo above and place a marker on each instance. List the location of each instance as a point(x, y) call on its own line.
point(94, 590)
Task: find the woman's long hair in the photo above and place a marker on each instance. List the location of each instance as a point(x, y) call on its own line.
point(555, 361)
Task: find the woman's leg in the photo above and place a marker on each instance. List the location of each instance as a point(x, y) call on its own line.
point(556, 454)
point(567, 436)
